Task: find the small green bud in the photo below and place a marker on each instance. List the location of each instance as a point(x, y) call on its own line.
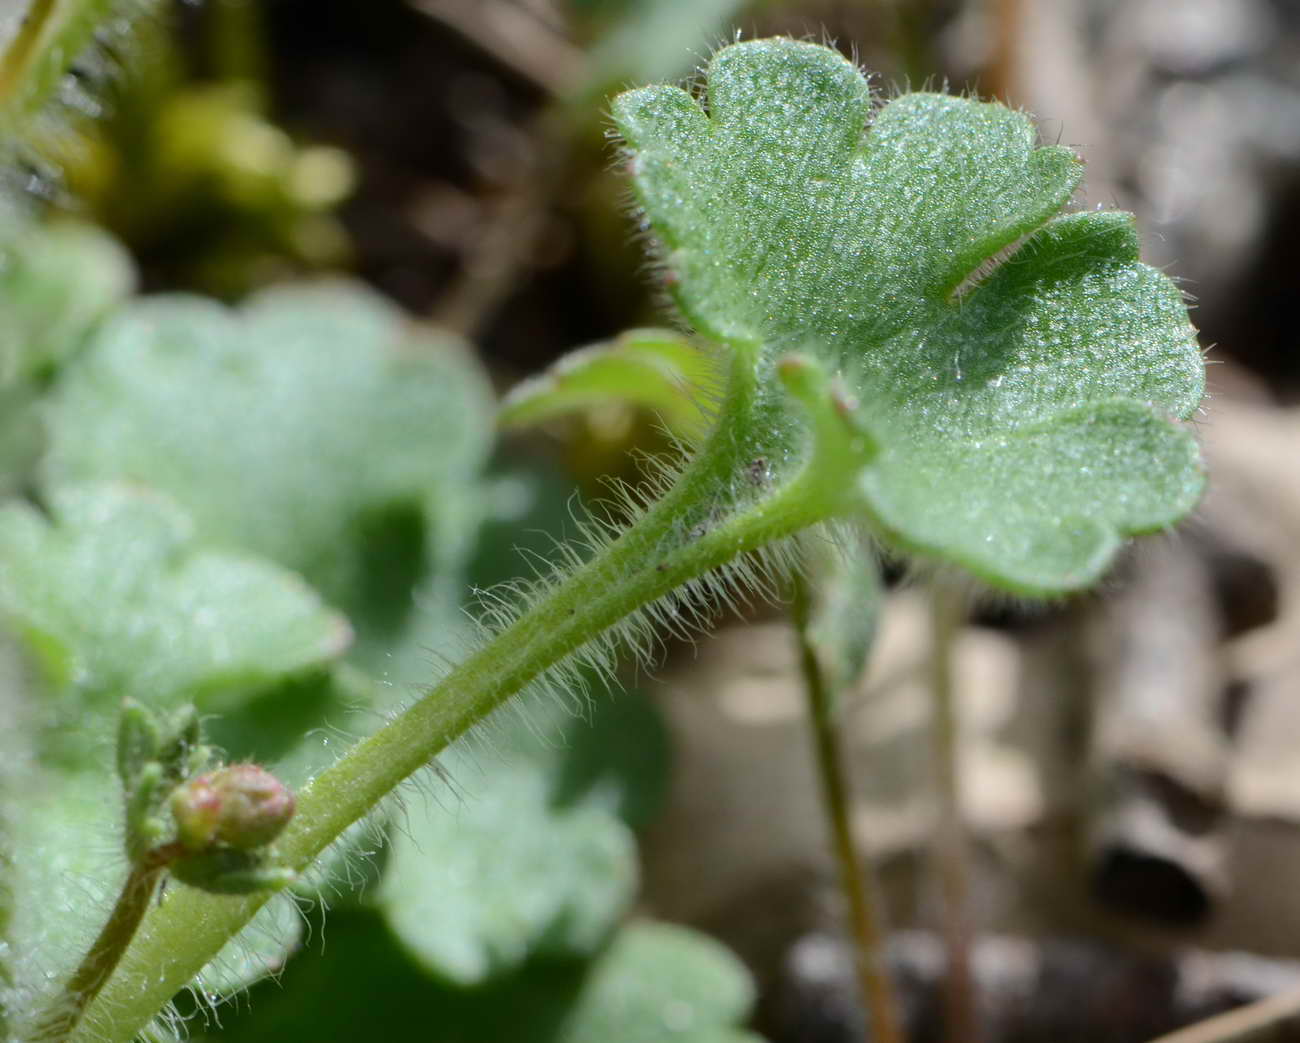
point(138, 741)
point(241, 806)
point(144, 828)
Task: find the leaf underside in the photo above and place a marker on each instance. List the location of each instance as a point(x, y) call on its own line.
point(1023, 415)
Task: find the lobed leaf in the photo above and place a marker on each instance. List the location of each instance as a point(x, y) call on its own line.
point(479, 884)
point(660, 983)
point(654, 983)
point(313, 426)
point(1023, 416)
point(113, 597)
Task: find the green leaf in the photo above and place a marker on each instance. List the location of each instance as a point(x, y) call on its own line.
point(1023, 416)
point(109, 594)
point(657, 39)
point(656, 369)
point(114, 597)
point(57, 282)
point(660, 983)
point(313, 426)
point(653, 984)
point(494, 872)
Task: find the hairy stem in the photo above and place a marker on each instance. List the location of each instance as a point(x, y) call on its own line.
point(104, 955)
point(860, 888)
point(52, 36)
point(682, 537)
point(961, 1023)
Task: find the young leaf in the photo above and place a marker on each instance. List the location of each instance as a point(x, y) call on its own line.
point(1022, 418)
point(313, 426)
point(657, 369)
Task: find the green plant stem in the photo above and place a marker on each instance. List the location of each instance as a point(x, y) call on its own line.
point(866, 919)
point(53, 35)
point(676, 541)
point(19, 55)
point(960, 1014)
point(104, 955)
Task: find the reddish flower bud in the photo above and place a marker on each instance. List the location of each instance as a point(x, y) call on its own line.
point(241, 805)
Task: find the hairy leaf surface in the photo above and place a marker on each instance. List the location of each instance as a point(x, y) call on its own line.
point(1023, 417)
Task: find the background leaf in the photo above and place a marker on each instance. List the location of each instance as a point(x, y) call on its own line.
point(313, 426)
point(109, 595)
point(654, 983)
point(113, 597)
point(525, 854)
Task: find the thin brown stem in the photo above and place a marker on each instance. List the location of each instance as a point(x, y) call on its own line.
point(1002, 75)
point(504, 249)
point(960, 1014)
point(860, 889)
point(1273, 1018)
point(85, 983)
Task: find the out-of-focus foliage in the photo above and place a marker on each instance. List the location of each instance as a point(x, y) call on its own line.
point(55, 284)
point(311, 426)
point(225, 498)
point(112, 595)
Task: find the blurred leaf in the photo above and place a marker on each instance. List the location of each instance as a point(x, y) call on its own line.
point(613, 755)
point(493, 872)
point(314, 426)
point(658, 40)
point(113, 595)
point(260, 949)
point(653, 984)
point(659, 983)
point(109, 595)
point(56, 283)
point(656, 369)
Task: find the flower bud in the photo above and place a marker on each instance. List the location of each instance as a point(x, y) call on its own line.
point(241, 805)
